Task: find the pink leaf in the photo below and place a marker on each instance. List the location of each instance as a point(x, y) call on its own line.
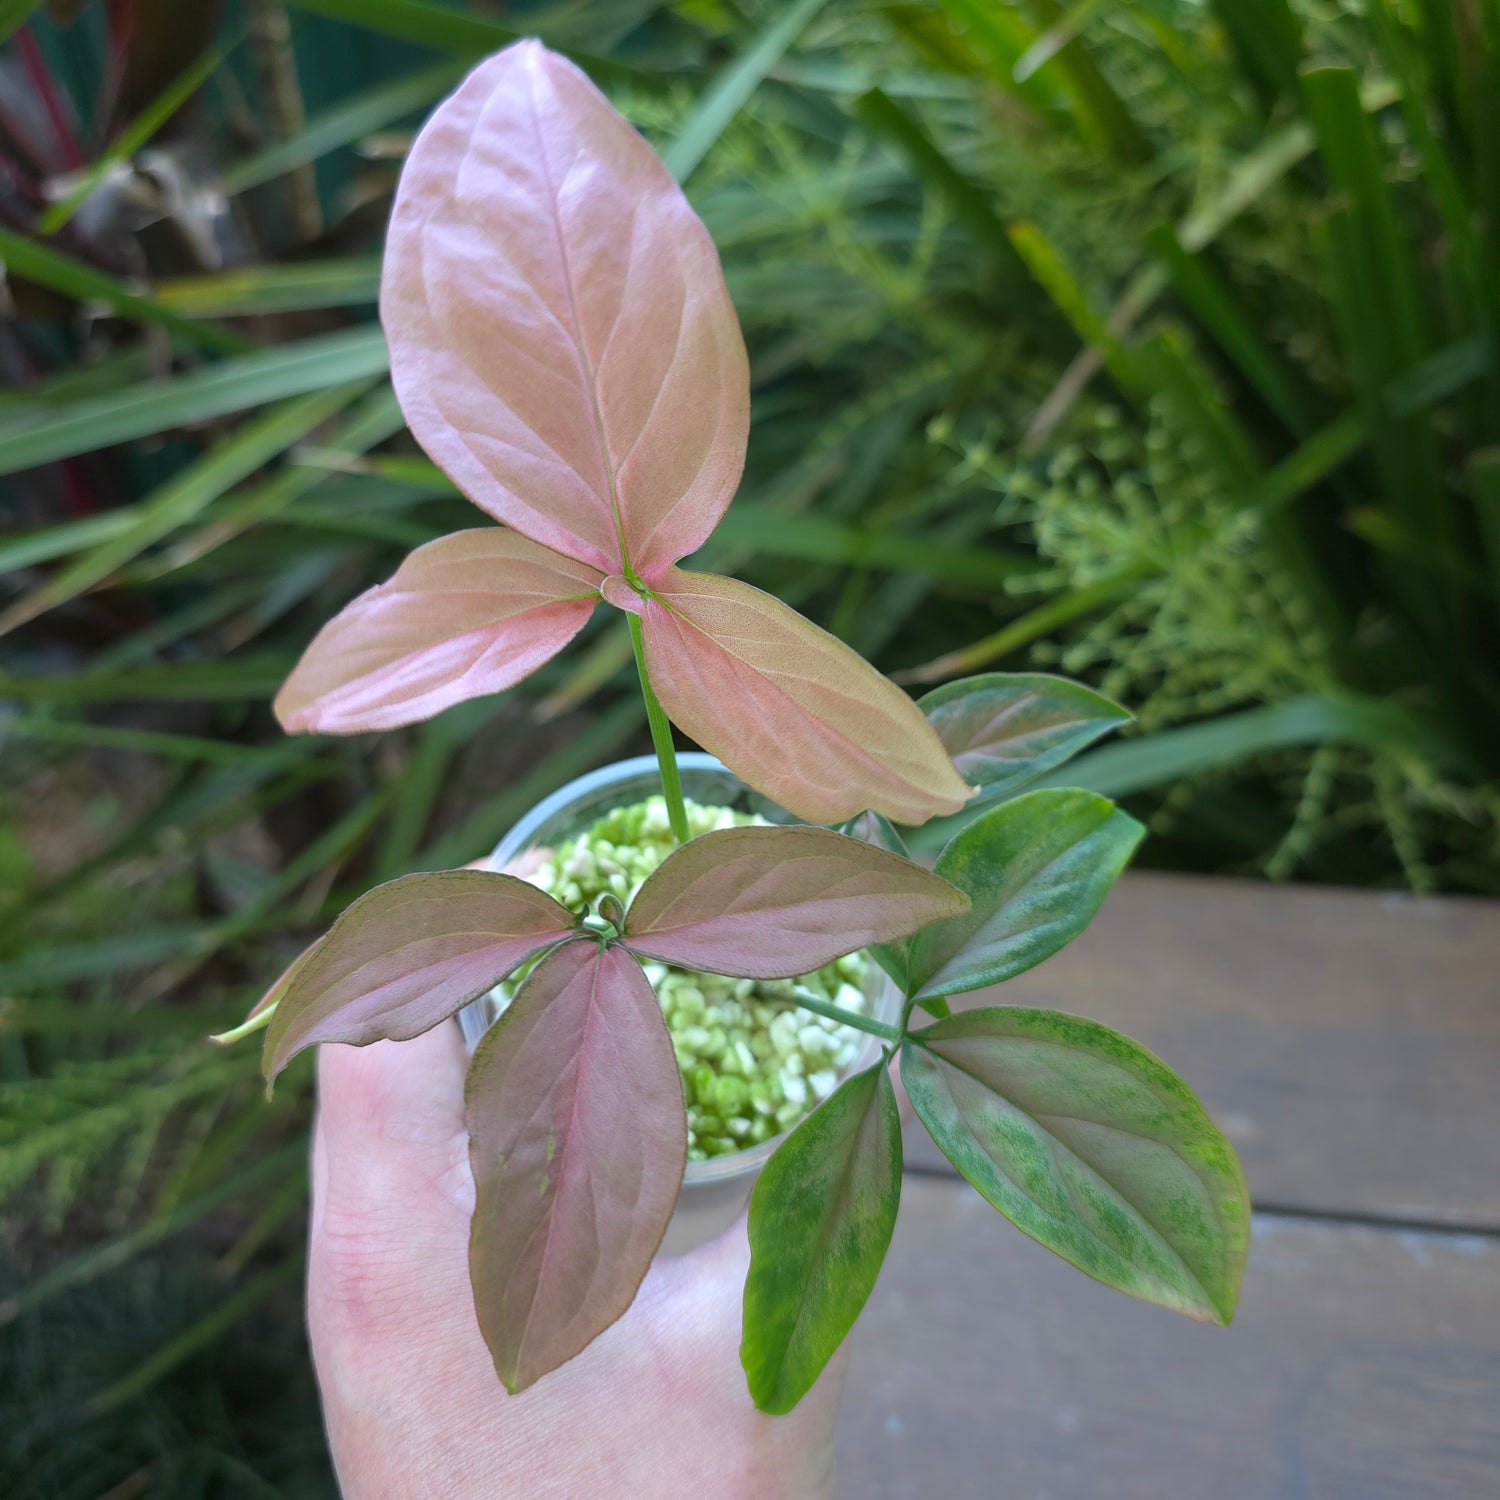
point(561, 339)
point(770, 903)
point(578, 1138)
point(469, 614)
point(407, 955)
point(786, 706)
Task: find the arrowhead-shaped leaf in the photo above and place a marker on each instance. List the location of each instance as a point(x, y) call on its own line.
point(1035, 870)
point(578, 1139)
point(407, 955)
point(788, 707)
point(561, 339)
point(1004, 729)
point(1092, 1146)
point(821, 1219)
point(771, 903)
point(469, 614)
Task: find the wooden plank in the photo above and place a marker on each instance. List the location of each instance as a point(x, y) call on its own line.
point(1364, 1365)
point(1348, 1042)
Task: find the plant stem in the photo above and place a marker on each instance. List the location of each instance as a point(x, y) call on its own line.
point(844, 1017)
point(661, 738)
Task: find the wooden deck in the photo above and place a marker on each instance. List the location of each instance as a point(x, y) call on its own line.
point(1350, 1045)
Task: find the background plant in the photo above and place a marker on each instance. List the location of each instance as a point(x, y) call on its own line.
point(925, 477)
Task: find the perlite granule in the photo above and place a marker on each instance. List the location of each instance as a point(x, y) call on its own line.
point(751, 1067)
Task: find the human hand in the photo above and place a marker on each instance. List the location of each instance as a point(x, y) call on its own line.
point(655, 1407)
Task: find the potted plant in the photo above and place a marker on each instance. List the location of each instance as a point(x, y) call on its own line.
point(563, 345)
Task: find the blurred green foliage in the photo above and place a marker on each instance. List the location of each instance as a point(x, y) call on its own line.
point(1153, 340)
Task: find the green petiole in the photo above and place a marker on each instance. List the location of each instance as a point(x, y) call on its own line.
point(806, 1001)
point(661, 739)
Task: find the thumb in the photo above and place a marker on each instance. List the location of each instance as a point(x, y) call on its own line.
point(391, 1188)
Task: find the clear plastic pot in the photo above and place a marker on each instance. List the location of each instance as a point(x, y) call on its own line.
point(713, 1191)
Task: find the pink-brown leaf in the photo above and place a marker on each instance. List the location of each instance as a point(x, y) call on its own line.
point(770, 903)
point(407, 955)
point(561, 339)
point(469, 614)
point(788, 707)
point(578, 1138)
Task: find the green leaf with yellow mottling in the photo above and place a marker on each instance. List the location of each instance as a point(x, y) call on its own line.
point(1092, 1146)
point(1035, 870)
point(821, 1218)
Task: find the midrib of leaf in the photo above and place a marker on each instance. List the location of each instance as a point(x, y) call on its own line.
point(549, 1223)
point(585, 366)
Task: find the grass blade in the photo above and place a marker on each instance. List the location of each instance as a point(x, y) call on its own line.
point(347, 121)
point(253, 290)
point(446, 28)
point(1029, 627)
point(774, 533)
point(133, 137)
point(194, 396)
point(1171, 755)
point(185, 496)
point(140, 741)
point(731, 90)
point(50, 268)
point(97, 1260)
point(49, 542)
point(967, 202)
point(233, 681)
point(1267, 40)
point(1212, 303)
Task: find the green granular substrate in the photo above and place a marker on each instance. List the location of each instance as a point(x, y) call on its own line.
point(752, 1064)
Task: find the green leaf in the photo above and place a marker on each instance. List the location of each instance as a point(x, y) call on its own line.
point(1004, 729)
point(1092, 1146)
point(821, 1219)
point(48, 267)
point(1035, 870)
point(194, 396)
